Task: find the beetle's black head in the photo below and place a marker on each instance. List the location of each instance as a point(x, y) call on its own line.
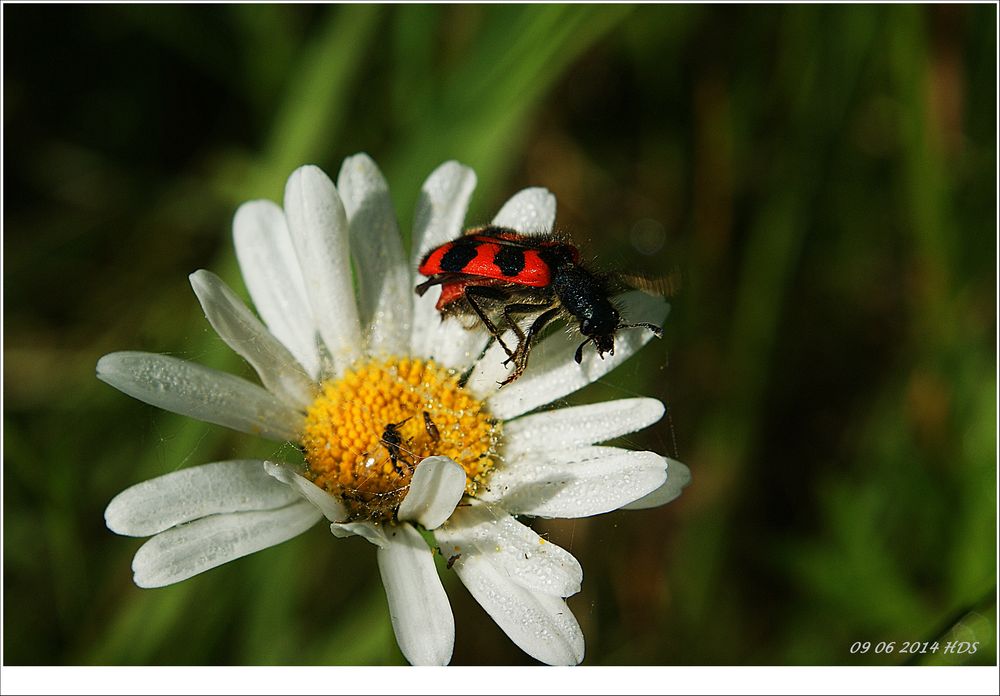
point(600, 328)
point(603, 334)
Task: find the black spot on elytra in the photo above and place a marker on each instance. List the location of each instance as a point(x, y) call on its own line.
point(456, 258)
point(510, 260)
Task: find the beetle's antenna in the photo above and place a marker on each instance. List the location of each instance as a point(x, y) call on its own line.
point(657, 331)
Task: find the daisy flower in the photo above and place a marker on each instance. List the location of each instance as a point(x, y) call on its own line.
point(398, 415)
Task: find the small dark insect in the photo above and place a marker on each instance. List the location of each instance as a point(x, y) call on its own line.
point(432, 431)
point(495, 267)
point(451, 560)
point(393, 440)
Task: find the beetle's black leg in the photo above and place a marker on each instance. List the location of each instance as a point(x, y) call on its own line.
point(521, 356)
point(523, 308)
point(471, 293)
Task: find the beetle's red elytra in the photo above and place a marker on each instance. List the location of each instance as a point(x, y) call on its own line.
point(494, 253)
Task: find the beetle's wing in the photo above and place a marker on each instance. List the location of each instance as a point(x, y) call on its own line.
point(663, 285)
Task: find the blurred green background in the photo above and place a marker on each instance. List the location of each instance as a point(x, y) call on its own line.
point(824, 177)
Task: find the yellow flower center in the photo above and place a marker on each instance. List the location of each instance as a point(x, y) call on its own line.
point(366, 432)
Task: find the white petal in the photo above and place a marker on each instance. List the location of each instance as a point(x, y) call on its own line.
point(384, 283)
point(678, 477)
point(515, 549)
point(552, 372)
point(274, 280)
point(531, 211)
point(444, 200)
point(280, 373)
point(369, 531)
point(418, 606)
point(574, 483)
point(200, 392)
point(435, 489)
point(181, 496)
point(452, 344)
point(331, 508)
point(540, 624)
point(318, 226)
point(489, 371)
point(181, 552)
point(578, 426)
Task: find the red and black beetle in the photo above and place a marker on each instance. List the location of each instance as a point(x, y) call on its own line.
point(492, 272)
